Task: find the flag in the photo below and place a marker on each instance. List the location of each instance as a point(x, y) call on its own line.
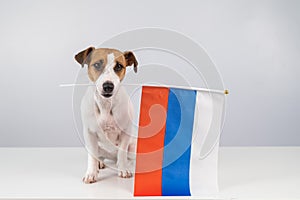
point(174, 124)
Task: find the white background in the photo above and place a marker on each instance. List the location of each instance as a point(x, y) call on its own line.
point(255, 45)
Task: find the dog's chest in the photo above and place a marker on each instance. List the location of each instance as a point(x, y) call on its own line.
point(110, 128)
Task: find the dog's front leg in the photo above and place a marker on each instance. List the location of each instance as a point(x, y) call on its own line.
point(122, 162)
point(93, 164)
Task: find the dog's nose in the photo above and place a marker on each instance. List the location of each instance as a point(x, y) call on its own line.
point(108, 87)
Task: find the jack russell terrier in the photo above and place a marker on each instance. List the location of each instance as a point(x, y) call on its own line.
point(106, 111)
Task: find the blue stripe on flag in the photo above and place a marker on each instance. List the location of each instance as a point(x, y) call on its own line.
point(177, 143)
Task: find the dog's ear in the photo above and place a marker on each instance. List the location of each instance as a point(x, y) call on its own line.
point(83, 56)
point(130, 59)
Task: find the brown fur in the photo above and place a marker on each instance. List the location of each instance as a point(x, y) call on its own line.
point(90, 56)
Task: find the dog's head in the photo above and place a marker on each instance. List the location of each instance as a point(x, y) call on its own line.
point(106, 67)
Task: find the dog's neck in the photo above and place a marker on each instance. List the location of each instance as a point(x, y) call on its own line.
point(106, 105)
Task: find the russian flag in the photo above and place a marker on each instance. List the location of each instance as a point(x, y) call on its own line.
point(168, 144)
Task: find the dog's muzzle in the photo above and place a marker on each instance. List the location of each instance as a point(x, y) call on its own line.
point(108, 88)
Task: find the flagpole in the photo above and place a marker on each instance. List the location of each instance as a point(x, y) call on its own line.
point(153, 85)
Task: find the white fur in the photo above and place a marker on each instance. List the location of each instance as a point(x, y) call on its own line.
point(108, 74)
point(107, 134)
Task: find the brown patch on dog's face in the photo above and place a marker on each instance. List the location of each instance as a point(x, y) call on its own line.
point(99, 61)
point(96, 59)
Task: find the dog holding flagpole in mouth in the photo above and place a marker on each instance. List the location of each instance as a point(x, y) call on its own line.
point(106, 110)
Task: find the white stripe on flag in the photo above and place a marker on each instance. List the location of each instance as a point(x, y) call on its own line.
point(203, 172)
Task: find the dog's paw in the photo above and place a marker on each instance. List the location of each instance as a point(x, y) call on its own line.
point(124, 173)
point(90, 177)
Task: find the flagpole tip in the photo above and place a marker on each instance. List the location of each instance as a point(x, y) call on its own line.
point(226, 92)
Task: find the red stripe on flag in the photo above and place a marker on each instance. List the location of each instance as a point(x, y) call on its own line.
point(152, 125)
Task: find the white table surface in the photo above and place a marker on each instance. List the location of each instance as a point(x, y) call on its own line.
point(56, 173)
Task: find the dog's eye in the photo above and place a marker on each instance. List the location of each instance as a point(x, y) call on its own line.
point(118, 67)
point(98, 65)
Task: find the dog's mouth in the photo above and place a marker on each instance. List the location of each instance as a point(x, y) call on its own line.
point(107, 95)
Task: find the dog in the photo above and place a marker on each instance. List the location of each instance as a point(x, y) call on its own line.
point(106, 110)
